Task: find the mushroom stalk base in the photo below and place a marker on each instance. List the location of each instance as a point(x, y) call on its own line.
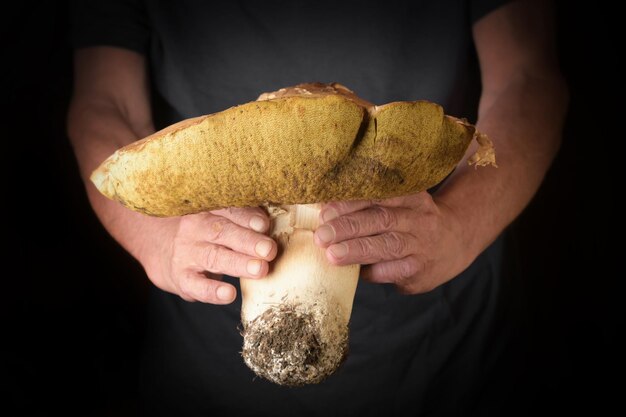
point(295, 320)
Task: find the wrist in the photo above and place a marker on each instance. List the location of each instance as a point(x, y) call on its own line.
point(464, 231)
point(154, 248)
point(147, 239)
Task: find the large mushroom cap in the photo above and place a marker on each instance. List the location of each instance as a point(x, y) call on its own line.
point(304, 144)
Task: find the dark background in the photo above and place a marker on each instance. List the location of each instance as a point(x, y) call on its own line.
point(72, 299)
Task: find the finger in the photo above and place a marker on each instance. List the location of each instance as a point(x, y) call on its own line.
point(372, 249)
point(397, 271)
point(194, 286)
point(254, 218)
point(335, 209)
point(221, 260)
point(222, 231)
point(368, 222)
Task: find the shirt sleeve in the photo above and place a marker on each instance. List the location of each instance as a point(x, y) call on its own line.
point(121, 23)
point(481, 8)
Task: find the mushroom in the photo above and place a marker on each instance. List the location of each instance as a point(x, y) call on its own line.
point(291, 150)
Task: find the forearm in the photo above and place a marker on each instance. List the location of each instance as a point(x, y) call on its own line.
point(524, 120)
point(96, 130)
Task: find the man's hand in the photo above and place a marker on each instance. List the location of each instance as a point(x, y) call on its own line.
point(412, 241)
point(183, 255)
point(207, 245)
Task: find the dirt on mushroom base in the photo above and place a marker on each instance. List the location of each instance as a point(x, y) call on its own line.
point(293, 344)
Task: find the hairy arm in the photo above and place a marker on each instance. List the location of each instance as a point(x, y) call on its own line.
point(110, 108)
point(419, 242)
point(522, 108)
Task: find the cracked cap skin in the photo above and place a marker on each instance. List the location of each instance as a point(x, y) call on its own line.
point(304, 144)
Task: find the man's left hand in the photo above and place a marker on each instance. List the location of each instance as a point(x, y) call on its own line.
point(413, 241)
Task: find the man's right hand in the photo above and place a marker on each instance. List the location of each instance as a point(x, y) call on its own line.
point(206, 245)
point(183, 255)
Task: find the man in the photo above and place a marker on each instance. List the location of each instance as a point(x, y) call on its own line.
point(434, 347)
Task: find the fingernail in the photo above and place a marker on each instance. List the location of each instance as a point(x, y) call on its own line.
point(325, 233)
point(254, 266)
point(257, 224)
point(339, 251)
point(263, 248)
point(329, 214)
point(225, 293)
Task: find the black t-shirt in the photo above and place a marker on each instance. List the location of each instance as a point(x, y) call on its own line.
point(430, 354)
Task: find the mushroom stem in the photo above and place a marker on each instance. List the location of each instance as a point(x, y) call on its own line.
point(295, 320)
